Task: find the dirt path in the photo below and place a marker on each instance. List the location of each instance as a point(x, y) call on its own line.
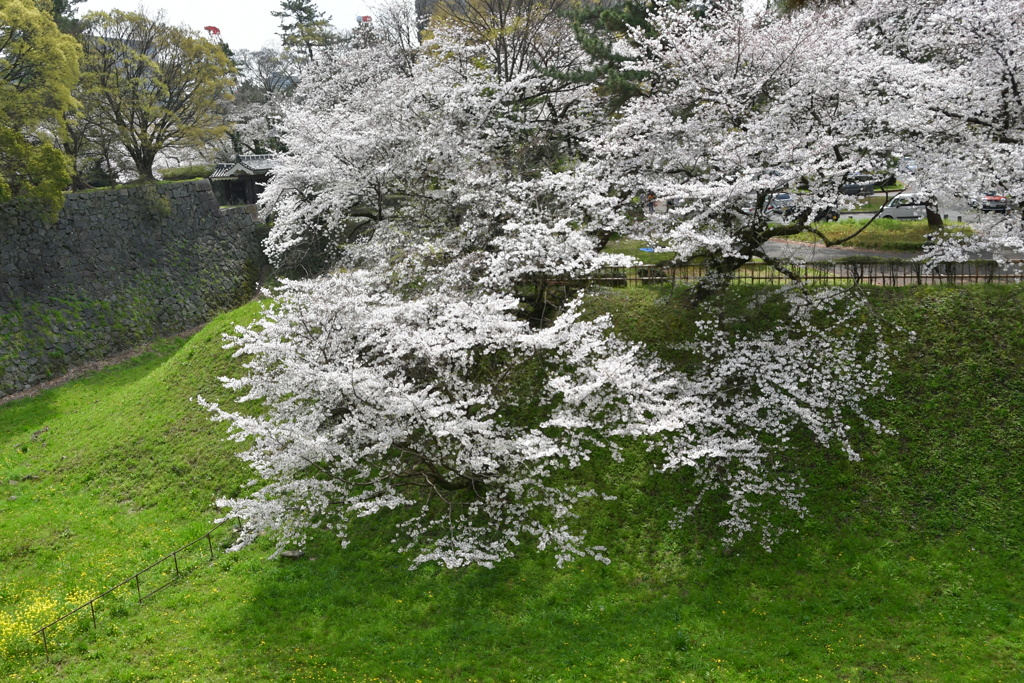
point(91, 367)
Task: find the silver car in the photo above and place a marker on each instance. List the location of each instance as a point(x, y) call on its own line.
point(911, 207)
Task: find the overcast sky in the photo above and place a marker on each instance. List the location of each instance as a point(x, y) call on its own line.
point(244, 24)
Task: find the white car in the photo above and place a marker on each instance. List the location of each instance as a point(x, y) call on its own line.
point(910, 207)
point(908, 165)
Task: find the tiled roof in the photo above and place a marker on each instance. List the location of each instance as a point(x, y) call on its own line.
point(258, 162)
point(224, 171)
point(247, 164)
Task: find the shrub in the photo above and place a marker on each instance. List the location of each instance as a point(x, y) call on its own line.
point(186, 172)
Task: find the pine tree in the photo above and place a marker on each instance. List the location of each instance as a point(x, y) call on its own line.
point(304, 27)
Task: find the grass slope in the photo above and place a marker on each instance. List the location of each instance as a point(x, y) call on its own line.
point(908, 570)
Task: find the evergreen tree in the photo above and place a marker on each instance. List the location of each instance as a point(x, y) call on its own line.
point(63, 13)
point(597, 30)
point(607, 34)
point(304, 27)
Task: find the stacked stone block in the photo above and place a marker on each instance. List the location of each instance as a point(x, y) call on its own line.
point(119, 267)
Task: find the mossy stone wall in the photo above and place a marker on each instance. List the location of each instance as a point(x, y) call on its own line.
point(119, 267)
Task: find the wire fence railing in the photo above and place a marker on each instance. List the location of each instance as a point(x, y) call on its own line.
point(895, 273)
point(170, 564)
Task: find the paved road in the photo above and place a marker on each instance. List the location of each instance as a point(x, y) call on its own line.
point(802, 251)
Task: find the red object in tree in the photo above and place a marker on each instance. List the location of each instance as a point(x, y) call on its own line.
point(212, 30)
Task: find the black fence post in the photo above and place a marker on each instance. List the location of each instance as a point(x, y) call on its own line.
point(91, 604)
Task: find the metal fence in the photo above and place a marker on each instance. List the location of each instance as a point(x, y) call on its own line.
point(896, 273)
point(136, 580)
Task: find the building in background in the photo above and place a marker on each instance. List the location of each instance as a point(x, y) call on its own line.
point(242, 181)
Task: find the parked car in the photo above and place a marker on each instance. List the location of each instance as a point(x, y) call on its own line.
point(780, 203)
point(859, 184)
point(911, 206)
point(989, 201)
point(783, 204)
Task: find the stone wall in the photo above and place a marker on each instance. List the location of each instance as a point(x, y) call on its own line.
point(120, 267)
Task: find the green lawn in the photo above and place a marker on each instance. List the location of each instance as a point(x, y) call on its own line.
point(631, 247)
point(884, 234)
point(908, 568)
point(872, 203)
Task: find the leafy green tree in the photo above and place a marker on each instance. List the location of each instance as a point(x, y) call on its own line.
point(154, 87)
point(38, 69)
point(63, 13)
point(304, 27)
point(90, 144)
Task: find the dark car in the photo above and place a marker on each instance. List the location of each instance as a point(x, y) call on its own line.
point(859, 184)
point(829, 214)
point(782, 206)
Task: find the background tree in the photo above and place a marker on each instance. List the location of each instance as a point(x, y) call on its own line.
point(155, 87)
point(305, 28)
point(396, 25)
point(598, 29)
point(97, 157)
point(517, 34)
point(266, 78)
point(63, 13)
point(38, 69)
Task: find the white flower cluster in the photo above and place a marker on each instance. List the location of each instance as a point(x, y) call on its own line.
point(400, 383)
point(375, 402)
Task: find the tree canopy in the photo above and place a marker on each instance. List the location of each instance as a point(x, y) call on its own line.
point(153, 87)
point(62, 11)
point(38, 69)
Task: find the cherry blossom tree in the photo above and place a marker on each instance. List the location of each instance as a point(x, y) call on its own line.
point(451, 157)
point(382, 403)
point(974, 134)
point(738, 108)
point(439, 196)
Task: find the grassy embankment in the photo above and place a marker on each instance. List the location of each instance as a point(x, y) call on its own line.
point(909, 568)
